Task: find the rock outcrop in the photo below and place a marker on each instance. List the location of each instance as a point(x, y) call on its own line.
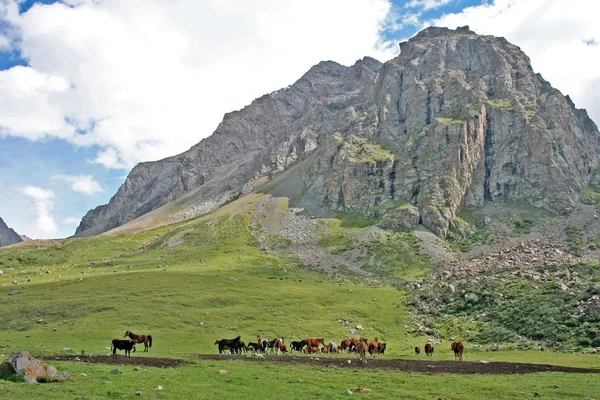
point(7, 235)
point(455, 120)
point(22, 363)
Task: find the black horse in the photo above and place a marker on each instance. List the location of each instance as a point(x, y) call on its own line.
point(231, 344)
point(122, 344)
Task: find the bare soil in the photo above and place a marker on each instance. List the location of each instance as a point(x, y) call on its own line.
point(122, 360)
point(420, 366)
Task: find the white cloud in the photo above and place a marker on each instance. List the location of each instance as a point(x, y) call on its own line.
point(557, 35)
point(427, 4)
point(72, 220)
point(44, 205)
point(84, 184)
point(145, 79)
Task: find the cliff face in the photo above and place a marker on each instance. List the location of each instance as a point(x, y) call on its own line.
point(454, 120)
point(7, 235)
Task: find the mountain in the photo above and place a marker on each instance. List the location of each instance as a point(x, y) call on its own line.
point(455, 121)
point(7, 235)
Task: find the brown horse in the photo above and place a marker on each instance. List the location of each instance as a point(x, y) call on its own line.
point(146, 339)
point(373, 347)
point(457, 348)
point(429, 350)
point(417, 350)
point(311, 342)
point(346, 344)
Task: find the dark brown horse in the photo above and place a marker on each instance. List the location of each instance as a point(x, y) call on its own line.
point(429, 349)
point(228, 344)
point(417, 350)
point(457, 348)
point(146, 339)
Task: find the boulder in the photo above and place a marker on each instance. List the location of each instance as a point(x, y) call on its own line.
point(403, 219)
point(434, 220)
point(22, 363)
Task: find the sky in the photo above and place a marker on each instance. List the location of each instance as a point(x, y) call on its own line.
point(89, 88)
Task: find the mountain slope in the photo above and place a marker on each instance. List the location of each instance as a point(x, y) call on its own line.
point(456, 119)
point(7, 235)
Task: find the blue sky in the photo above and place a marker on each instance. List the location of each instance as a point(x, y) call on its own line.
point(88, 88)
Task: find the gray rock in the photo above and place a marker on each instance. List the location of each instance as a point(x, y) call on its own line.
point(495, 347)
point(403, 219)
point(14, 292)
point(7, 235)
point(22, 363)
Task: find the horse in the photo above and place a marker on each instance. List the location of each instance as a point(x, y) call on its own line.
point(253, 347)
point(122, 344)
point(324, 349)
point(429, 349)
point(313, 349)
point(332, 347)
point(457, 348)
point(297, 345)
point(263, 344)
point(362, 348)
point(241, 347)
point(357, 344)
point(346, 344)
point(381, 348)
point(146, 339)
point(373, 347)
point(314, 342)
point(228, 344)
point(279, 346)
point(417, 350)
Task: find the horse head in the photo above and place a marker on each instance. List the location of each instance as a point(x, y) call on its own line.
point(127, 333)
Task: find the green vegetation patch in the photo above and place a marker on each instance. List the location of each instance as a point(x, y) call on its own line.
point(362, 150)
point(396, 255)
point(523, 312)
point(450, 121)
point(502, 104)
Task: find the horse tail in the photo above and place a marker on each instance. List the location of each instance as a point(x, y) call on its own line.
point(150, 340)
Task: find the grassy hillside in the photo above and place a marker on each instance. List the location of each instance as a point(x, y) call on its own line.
point(187, 284)
point(221, 275)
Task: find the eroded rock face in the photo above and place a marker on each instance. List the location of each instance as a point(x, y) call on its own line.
point(22, 363)
point(7, 235)
point(456, 119)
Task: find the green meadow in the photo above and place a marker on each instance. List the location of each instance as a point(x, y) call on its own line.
point(191, 283)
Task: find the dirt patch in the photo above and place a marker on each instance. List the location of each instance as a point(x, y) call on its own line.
point(422, 366)
point(122, 360)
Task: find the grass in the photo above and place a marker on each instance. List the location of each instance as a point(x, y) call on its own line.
point(502, 104)
point(450, 121)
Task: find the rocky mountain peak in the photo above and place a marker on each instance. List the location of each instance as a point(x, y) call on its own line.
point(7, 235)
point(457, 119)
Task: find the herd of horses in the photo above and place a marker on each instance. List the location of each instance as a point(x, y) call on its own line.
point(456, 347)
point(361, 346)
point(129, 344)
